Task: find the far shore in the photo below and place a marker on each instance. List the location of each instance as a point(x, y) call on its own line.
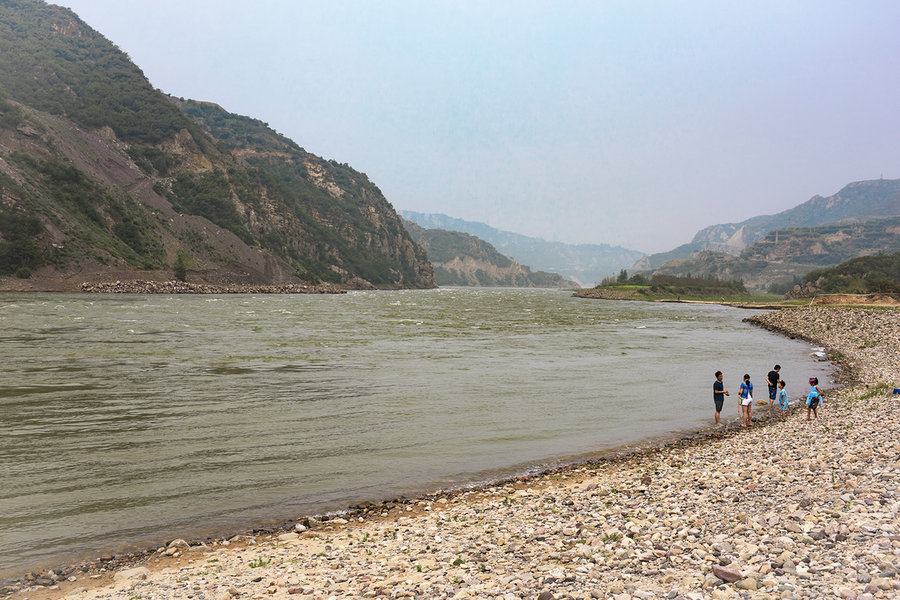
point(862, 300)
point(783, 509)
point(174, 286)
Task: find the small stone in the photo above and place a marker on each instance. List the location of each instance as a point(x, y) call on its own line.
point(139, 573)
point(726, 574)
point(882, 583)
point(748, 583)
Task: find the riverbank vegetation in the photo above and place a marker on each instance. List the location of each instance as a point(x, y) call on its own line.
point(669, 287)
point(863, 275)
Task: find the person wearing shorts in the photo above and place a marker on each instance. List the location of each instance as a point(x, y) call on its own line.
point(746, 395)
point(772, 381)
point(719, 393)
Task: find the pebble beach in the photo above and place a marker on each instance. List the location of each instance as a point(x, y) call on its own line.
point(783, 509)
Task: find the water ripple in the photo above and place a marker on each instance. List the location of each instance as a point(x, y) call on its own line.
point(137, 418)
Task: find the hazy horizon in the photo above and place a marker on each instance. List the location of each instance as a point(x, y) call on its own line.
point(630, 124)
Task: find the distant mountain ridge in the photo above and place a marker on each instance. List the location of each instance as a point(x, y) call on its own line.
point(855, 202)
point(585, 264)
point(466, 260)
point(783, 256)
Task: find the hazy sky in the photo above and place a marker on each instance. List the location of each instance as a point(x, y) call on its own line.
point(629, 123)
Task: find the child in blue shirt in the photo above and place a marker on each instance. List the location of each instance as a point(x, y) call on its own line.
point(814, 398)
point(782, 399)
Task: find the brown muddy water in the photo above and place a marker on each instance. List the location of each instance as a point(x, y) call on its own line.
point(127, 420)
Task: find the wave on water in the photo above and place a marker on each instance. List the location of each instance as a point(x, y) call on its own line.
point(235, 416)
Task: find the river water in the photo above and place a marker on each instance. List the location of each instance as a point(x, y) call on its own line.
point(127, 420)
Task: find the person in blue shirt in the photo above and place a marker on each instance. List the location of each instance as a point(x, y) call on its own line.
point(814, 399)
point(782, 399)
point(746, 396)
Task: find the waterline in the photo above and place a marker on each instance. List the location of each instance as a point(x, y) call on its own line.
point(132, 419)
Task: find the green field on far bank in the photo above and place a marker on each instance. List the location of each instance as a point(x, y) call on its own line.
point(637, 292)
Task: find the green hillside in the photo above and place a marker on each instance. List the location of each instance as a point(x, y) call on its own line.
point(584, 263)
point(863, 275)
point(52, 61)
point(112, 179)
point(314, 192)
point(466, 260)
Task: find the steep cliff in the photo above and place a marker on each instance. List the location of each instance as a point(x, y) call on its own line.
point(102, 177)
point(465, 260)
point(582, 263)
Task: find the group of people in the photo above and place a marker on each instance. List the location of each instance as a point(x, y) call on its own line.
point(777, 394)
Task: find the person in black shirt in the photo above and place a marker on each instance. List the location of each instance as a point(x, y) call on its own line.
point(772, 380)
point(719, 393)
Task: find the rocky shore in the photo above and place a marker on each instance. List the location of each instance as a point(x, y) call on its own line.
point(599, 293)
point(794, 509)
point(182, 287)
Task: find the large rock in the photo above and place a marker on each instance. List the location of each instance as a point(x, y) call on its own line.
point(727, 574)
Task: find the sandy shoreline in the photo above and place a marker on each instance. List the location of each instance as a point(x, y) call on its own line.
point(797, 509)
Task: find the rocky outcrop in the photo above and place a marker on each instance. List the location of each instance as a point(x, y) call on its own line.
point(803, 290)
point(469, 271)
point(601, 293)
point(582, 264)
point(856, 202)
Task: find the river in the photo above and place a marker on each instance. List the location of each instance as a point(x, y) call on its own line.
point(127, 420)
